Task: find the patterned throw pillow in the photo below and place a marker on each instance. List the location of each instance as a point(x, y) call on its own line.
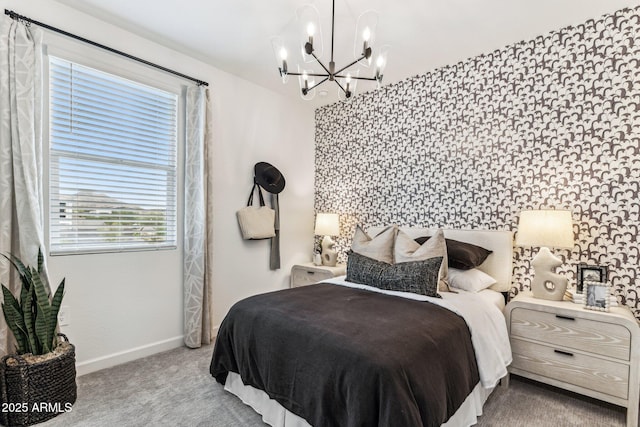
point(419, 277)
point(379, 247)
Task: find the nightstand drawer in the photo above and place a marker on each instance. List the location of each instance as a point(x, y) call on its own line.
point(307, 276)
point(574, 368)
point(603, 338)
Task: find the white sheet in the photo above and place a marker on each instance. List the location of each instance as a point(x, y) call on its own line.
point(483, 315)
point(493, 297)
point(276, 415)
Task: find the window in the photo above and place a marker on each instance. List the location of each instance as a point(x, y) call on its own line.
point(113, 148)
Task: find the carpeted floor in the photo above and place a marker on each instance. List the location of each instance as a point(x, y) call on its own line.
point(175, 389)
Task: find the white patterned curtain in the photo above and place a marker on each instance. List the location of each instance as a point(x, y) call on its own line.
point(198, 248)
point(21, 202)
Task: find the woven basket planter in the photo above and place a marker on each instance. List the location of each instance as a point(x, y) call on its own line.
point(35, 392)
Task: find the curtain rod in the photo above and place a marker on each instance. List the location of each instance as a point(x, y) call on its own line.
point(19, 17)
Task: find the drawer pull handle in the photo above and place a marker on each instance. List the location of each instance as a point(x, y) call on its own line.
point(311, 272)
point(566, 353)
point(565, 317)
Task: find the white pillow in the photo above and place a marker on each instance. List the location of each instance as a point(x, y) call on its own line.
point(473, 280)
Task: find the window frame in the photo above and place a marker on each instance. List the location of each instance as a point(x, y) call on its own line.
point(89, 56)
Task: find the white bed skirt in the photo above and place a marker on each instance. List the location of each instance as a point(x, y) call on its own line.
point(276, 415)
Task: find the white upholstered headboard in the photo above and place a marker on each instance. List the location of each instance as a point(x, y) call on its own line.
point(498, 265)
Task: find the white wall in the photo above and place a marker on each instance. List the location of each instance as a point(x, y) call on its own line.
point(128, 305)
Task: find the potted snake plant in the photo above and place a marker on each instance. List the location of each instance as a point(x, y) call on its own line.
point(38, 381)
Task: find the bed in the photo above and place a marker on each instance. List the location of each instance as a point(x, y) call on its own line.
point(343, 354)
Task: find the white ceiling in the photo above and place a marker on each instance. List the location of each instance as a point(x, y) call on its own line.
point(234, 35)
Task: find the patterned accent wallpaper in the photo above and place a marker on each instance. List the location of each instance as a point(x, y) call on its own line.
point(552, 122)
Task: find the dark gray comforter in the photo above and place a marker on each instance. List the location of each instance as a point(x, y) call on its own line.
point(345, 357)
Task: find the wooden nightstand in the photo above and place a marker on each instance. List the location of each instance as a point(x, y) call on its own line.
point(308, 273)
point(589, 352)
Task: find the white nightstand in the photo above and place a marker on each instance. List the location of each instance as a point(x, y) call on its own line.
point(589, 352)
point(308, 273)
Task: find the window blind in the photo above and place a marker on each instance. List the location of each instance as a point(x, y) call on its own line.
point(113, 148)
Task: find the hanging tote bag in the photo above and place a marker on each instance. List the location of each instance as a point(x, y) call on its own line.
point(256, 222)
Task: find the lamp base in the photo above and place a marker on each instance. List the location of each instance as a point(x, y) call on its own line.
point(546, 283)
point(329, 254)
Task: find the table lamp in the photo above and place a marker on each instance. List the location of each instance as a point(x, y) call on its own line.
point(546, 228)
point(328, 225)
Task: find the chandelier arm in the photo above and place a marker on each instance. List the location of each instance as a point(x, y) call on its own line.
point(321, 64)
point(319, 83)
point(340, 86)
point(309, 74)
point(373, 79)
point(347, 66)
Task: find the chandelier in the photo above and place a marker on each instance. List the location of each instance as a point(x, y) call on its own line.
point(312, 49)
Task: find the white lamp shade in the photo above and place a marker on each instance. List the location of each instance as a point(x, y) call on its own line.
point(327, 224)
point(545, 228)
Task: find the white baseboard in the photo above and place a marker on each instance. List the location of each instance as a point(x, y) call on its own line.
point(114, 359)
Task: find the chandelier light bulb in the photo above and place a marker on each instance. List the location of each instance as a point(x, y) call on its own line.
point(366, 34)
point(284, 69)
point(311, 29)
point(305, 77)
point(380, 62)
point(347, 91)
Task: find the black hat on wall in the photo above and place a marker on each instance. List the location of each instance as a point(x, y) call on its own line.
point(269, 178)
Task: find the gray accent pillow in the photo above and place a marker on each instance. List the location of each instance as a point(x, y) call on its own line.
point(419, 277)
point(379, 247)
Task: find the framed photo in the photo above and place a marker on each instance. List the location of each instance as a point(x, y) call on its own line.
point(591, 273)
point(596, 296)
